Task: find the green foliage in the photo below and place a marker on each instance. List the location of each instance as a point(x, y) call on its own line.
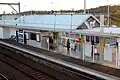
point(101, 9)
point(104, 9)
point(115, 18)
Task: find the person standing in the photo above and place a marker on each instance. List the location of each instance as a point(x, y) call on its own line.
point(74, 46)
point(50, 43)
point(68, 45)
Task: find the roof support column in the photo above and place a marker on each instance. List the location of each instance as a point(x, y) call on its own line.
point(83, 51)
point(118, 53)
point(101, 48)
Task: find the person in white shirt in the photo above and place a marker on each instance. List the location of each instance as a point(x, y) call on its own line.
point(74, 46)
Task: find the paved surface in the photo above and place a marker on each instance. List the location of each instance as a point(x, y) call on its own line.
point(63, 50)
point(78, 55)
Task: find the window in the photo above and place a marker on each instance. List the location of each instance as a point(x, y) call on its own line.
point(32, 36)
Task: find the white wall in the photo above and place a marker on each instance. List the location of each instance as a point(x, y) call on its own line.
point(88, 49)
point(34, 43)
point(108, 53)
point(38, 43)
point(6, 33)
point(12, 31)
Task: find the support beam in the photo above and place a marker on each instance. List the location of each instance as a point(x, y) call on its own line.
point(118, 54)
point(9, 3)
point(13, 8)
point(83, 51)
point(19, 7)
point(93, 59)
point(101, 48)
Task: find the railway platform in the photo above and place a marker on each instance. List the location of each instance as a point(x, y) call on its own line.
point(98, 70)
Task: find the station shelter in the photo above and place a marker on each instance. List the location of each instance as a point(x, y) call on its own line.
point(101, 45)
point(37, 28)
point(94, 43)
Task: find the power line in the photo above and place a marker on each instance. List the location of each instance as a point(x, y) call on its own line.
point(10, 4)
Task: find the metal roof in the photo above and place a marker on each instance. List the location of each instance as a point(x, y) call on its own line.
point(59, 21)
point(98, 32)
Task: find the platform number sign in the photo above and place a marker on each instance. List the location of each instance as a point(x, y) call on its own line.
point(21, 36)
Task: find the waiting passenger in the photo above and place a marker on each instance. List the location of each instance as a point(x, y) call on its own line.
point(68, 45)
point(74, 46)
point(50, 43)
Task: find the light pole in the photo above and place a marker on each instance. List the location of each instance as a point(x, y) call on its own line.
point(54, 21)
point(108, 13)
point(71, 24)
point(84, 6)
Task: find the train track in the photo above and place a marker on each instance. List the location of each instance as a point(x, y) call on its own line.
point(31, 72)
point(2, 77)
point(9, 57)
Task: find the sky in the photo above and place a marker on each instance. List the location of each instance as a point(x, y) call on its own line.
point(27, 5)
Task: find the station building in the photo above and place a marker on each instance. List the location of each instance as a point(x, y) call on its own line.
point(95, 40)
point(42, 26)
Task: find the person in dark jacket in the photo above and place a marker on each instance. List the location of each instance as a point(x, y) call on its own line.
point(68, 45)
point(50, 43)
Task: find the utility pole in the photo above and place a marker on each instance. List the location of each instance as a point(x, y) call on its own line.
point(19, 7)
point(84, 6)
point(108, 13)
point(71, 24)
point(54, 22)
